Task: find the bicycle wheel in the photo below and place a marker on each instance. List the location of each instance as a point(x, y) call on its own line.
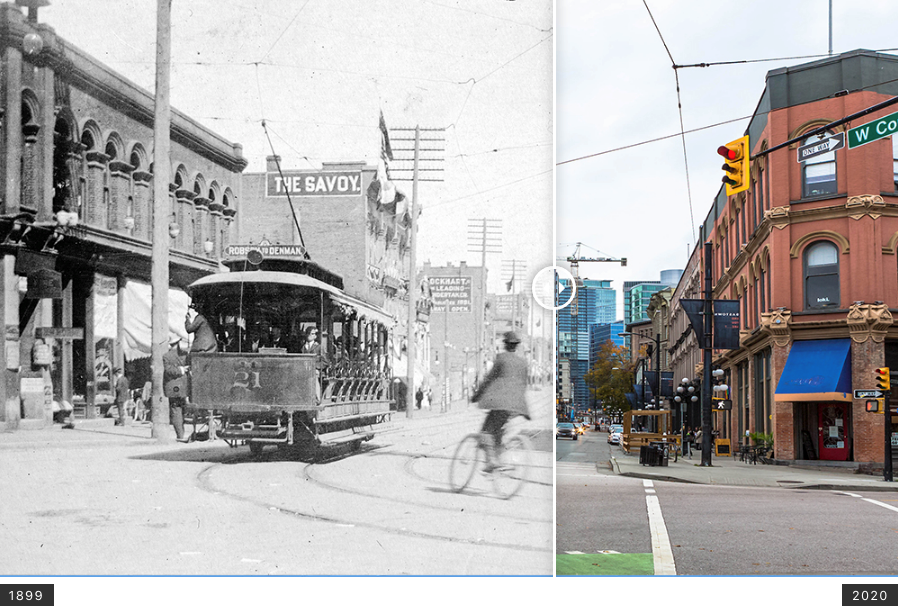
point(468, 457)
point(514, 467)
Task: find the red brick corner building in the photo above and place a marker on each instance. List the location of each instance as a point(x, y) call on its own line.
point(810, 253)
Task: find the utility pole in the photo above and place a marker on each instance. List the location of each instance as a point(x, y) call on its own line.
point(161, 212)
point(484, 235)
point(413, 174)
point(706, 361)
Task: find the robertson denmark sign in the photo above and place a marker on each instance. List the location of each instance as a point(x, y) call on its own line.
point(313, 183)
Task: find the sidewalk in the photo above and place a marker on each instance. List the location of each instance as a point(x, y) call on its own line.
point(104, 432)
point(729, 471)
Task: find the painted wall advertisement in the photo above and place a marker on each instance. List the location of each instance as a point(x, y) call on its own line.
point(452, 293)
point(313, 183)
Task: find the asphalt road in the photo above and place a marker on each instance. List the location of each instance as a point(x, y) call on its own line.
point(717, 530)
point(95, 506)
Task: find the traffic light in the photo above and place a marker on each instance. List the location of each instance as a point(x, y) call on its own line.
point(883, 381)
point(736, 156)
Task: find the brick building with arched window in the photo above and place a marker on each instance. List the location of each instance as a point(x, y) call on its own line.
point(76, 215)
point(810, 253)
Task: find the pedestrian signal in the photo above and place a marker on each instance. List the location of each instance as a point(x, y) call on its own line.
point(883, 380)
point(736, 165)
point(875, 406)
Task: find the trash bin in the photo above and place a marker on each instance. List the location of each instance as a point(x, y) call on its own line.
point(658, 454)
point(662, 455)
point(644, 453)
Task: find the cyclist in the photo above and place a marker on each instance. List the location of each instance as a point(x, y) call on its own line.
point(502, 393)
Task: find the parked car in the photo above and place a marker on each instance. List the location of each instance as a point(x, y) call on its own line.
point(614, 437)
point(566, 430)
point(615, 428)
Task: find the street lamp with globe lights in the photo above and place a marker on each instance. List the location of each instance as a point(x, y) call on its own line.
point(687, 393)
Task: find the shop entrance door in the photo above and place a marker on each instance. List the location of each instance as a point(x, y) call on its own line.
point(833, 427)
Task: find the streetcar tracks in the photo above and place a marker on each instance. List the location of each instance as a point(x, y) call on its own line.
point(204, 482)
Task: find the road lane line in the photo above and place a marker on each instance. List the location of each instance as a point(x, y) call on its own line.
point(850, 494)
point(647, 483)
point(893, 508)
point(662, 554)
point(649, 491)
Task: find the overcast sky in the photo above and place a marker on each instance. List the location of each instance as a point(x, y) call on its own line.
point(320, 71)
point(616, 88)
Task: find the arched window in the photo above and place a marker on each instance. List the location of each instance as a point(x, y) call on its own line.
point(818, 175)
point(64, 168)
point(821, 275)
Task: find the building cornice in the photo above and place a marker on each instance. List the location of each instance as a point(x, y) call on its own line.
point(75, 67)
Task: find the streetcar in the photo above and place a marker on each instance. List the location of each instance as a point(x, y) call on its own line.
point(298, 360)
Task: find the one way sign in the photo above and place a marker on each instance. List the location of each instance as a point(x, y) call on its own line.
point(812, 150)
point(860, 394)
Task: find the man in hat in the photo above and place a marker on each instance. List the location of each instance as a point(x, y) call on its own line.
point(203, 336)
point(172, 370)
point(122, 394)
point(502, 392)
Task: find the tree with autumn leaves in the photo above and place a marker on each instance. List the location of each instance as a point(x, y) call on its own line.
point(611, 378)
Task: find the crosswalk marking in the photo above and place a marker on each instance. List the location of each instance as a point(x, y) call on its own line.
point(661, 551)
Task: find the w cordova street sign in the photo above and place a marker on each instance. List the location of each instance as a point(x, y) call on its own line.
point(865, 133)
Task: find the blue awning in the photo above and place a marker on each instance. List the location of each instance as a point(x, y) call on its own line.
point(817, 371)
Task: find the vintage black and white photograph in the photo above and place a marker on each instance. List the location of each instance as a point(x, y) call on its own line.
point(267, 275)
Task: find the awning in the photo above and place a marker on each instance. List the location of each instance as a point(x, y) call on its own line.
point(817, 371)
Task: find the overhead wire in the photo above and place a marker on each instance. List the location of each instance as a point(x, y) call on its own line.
point(285, 30)
point(680, 110)
point(715, 125)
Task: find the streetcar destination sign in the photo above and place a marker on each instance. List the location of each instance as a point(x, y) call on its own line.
point(871, 131)
point(824, 146)
point(269, 250)
point(860, 394)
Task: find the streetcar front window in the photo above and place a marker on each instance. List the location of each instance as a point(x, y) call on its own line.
point(262, 317)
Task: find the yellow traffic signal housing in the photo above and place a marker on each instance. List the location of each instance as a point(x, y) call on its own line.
point(883, 379)
point(876, 406)
point(736, 155)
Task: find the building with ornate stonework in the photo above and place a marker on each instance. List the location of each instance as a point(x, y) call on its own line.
point(76, 164)
point(811, 254)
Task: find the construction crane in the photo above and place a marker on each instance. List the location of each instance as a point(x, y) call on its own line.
point(574, 261)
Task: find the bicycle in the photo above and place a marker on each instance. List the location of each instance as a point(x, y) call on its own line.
point(513, 463)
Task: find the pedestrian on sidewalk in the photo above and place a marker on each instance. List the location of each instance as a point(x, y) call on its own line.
point(122, 394)
point(175, 383)
point(419, 397)
point(699, 438)
point(688, 443)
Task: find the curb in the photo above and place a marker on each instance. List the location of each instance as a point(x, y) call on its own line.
point(871, 488)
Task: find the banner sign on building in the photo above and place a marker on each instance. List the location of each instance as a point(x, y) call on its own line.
point(313, 183)
point(451, 293)
point(694, 309)
point(726, 324)
point(726, 321)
